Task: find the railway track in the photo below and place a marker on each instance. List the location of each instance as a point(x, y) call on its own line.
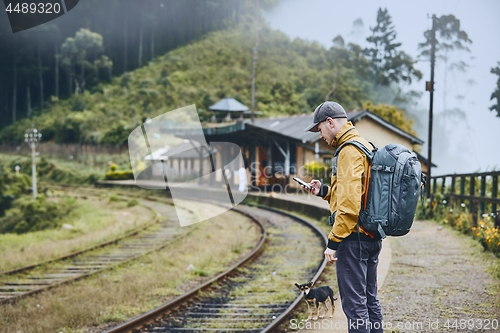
point(253, 295)
point(152, 236)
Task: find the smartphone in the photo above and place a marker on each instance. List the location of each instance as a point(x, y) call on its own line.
point(303, 183)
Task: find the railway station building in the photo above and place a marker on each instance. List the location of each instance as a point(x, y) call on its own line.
point(277, 149)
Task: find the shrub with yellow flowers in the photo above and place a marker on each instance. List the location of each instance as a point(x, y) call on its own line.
point(118, 173)
point(463, 223)
point(488, 235)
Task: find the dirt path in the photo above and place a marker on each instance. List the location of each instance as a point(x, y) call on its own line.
point(438, 281)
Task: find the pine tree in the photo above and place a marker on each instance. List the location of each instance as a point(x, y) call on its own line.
point(449, 38)
point(387, 62)
point(496, 93)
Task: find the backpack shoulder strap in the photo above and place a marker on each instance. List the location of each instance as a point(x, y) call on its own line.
point(369, 153)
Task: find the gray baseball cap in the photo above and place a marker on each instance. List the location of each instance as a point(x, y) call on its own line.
point(323, 111)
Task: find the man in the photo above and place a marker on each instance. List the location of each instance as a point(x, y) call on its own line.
point(354, 250)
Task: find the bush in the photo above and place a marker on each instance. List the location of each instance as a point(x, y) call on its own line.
point(113, 198)
point(44, 167)
point(50, 172)
point(463, 223)
point(78, 104)
point(439, 212)
point(11, 187)
point(488, 235)
point(65, 176)
point(132, 203)
point(119, 175)
point(117, 135)
point(30, 215)
point(91, 179)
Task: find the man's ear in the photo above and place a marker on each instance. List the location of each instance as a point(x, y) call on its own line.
point(331, 122)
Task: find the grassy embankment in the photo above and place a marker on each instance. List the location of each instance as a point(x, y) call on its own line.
point(144, 283)
point(92, 304)
point(94, 220)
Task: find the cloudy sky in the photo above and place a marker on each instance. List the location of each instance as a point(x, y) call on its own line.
point(473, 135)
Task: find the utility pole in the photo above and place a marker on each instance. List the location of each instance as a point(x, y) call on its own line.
point(429, 86)
point(254, 56)
point(32, 137)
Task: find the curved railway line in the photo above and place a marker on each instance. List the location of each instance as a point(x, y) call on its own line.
point(252, 296)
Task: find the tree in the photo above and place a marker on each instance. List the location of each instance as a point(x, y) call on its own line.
point(358, 30)
point(349, 68)
point(451, 38)
point(166, 25)
point(444, 36)
point(391, 114)
point(82, 52)
point(338, 41)
point(387, 62)
point(496, 93)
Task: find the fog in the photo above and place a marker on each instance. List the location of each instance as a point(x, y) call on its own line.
point(466, 137)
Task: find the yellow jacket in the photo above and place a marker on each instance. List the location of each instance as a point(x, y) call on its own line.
point(347, 188)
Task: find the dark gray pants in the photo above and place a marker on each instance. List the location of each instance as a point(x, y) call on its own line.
point(357, 280)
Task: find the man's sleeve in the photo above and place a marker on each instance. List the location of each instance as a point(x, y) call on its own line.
point(325, 192)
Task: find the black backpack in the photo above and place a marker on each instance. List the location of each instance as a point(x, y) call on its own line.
point(395, 180)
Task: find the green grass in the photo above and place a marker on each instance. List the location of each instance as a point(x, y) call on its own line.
point(135, 287)
point(93, 221)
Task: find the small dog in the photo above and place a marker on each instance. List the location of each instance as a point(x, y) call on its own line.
point(315, 296)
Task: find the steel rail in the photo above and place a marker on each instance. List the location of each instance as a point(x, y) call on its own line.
point(150, 316)
point(153, 314)
point(91, 248)
point(46, 286)
point(320, 270)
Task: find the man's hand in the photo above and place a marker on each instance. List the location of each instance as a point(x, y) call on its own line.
point(315, 186)
point(330, 256)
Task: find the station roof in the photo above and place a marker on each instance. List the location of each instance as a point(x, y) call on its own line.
point(286, 128)
point(293, 126)
point(228, 105)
